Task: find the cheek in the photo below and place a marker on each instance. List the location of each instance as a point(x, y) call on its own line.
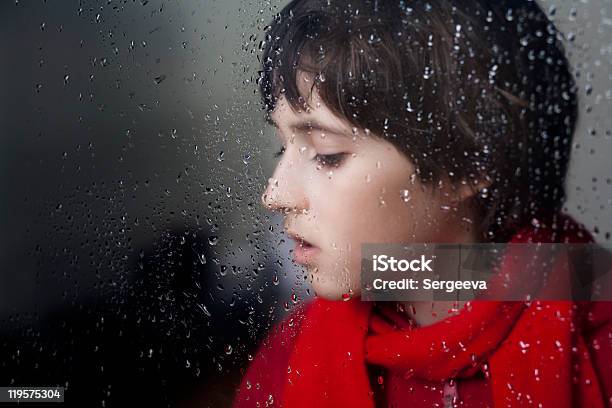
point(351, 214)
point(388, 208)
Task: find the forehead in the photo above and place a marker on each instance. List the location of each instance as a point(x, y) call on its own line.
point(313, 110)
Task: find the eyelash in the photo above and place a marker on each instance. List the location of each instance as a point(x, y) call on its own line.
point(280, 152)
point(330, 160)
point(325, 160)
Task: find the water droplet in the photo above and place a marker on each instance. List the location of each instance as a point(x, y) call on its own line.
point(405, 194)
point(204, 309)
point(374, 39)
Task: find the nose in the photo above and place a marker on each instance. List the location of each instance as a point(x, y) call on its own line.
point(285, 191)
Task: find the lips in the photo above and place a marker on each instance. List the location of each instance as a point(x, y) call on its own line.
point(304, 251)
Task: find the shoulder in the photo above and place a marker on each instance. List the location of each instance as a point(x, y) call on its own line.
point(265, 376)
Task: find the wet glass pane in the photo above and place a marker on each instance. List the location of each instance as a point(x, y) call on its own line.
point(183, 181)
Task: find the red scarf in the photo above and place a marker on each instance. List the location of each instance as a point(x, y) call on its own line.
point(535, 353)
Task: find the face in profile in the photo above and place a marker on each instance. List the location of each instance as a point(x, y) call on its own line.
point(339, 187)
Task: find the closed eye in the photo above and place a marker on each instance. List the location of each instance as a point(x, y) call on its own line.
point(330, 160)
point(325, 160)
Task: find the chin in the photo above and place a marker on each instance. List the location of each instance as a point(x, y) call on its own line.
point(333, 290)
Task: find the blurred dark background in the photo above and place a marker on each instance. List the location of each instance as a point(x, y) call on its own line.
point(136, 265)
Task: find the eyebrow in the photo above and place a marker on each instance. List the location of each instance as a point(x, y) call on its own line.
point(309, 125)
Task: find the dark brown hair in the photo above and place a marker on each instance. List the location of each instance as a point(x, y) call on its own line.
point(470, 91)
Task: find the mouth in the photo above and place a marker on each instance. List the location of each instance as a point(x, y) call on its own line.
point(304, 251)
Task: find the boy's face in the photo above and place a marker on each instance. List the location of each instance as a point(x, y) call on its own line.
point(340, 188)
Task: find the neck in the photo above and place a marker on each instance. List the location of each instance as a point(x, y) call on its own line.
point(424, 313)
